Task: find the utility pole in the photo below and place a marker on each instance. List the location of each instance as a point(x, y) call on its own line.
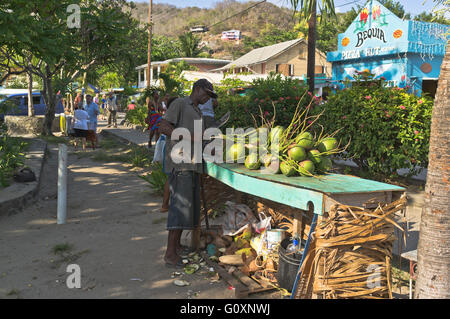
point(311, 62)
point(149, 58)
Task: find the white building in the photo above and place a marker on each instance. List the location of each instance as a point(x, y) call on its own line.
point(202, 65)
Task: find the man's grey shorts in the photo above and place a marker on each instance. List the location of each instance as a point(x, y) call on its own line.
point(184, 206)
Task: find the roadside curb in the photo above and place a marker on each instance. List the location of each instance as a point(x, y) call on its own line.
point(19, 195)
point(134, 136)
point(107, 133)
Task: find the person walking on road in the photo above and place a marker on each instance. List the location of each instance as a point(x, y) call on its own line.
point(80, 126)
point(93, 110)
point(153, 117)
point(111, 107)
point(184, 176)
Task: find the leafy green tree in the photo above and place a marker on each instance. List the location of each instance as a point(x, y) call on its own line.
point(309, 10)
point(43, 30)
point(164, 48)
point(431, 17)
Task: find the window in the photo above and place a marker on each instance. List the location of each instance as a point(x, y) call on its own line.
point(285, 69)
point(319, 69)
point(302, 52)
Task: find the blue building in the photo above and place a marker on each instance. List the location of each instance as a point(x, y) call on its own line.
point(406, 53)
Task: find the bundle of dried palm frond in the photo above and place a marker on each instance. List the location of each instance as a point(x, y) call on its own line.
point(350, 254)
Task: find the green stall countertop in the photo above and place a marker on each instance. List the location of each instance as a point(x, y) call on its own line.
point(293, 191)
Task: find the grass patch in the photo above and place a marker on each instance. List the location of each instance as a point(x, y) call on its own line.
point(104, 156)
point(113, 150)
point(140, 157)
point(156, 178)
point(61, 249)
point(64, 251)
point(400, 275)
point(52, 139)
point(108, 143)
point(13, 292)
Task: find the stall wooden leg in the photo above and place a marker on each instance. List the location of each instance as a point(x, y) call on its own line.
point(195, 238)
point(298, 223)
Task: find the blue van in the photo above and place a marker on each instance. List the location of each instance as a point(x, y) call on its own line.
point(17, 104)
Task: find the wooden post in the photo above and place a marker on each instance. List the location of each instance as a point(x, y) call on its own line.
point(311, 63)
point(297, 227)
point(149, 58)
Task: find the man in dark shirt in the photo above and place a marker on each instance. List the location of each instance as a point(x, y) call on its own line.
point(184, 165)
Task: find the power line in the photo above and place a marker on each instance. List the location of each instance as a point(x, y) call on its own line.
point(252, 6)
point(345, 4)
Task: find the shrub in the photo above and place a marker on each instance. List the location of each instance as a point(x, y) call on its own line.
point(274, 92)
point(12, 157)
point(388, 128)
point(156, 178)
point(137, 115)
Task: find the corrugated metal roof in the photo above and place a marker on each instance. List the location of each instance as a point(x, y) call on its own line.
point(261, 55)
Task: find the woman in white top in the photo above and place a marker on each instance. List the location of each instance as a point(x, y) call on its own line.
point(80, 126)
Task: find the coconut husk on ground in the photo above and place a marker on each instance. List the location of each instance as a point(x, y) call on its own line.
point(350, 254)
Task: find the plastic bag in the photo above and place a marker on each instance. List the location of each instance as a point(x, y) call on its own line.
point(237, 218)
point(159, 149)
point(263, 224)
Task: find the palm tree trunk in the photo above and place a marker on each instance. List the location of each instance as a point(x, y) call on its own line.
point(433, 264)
point(311, 48)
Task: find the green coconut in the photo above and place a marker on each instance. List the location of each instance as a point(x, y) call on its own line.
point(325, 164)
point(235, 152)
point(308, 166)
point(252, 161)
point(287, 169)
point(314, 156)
point(271, 163)
point(297, 153)
point(327, 144)
point(305, 140)
point(276, 133)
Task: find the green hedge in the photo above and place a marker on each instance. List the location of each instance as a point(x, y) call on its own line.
point(12, 156)
point(388, 128)
point(137, 116)
point(283, 93)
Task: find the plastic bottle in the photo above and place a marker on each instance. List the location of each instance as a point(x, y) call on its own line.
point(293, 247)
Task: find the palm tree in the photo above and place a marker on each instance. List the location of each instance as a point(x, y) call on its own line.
point(434, 241)
point(433, 252)
point(190, 45)
point(308, 10)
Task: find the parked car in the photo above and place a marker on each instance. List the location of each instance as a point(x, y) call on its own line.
point(17, 104)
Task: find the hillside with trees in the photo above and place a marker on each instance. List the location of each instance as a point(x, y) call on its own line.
point(263, 24)
point(263, 20)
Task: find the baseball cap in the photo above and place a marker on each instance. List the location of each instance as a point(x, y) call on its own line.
point(207, 86)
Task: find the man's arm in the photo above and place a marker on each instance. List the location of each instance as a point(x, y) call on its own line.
point(166, 128)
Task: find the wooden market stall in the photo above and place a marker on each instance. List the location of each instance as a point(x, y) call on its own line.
point(305, 195)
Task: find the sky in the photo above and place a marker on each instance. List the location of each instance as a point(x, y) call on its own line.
point(411, 6)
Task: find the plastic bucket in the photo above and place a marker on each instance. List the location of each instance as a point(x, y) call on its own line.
point(274, 237)
point(287, 266)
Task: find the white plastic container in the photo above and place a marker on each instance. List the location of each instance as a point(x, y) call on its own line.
point(274, 237)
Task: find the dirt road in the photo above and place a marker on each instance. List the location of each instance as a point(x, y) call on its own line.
point(114, 232)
